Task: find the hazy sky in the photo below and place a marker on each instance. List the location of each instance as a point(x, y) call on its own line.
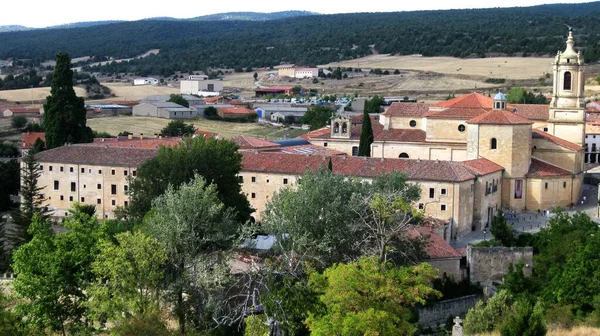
point(43, 13)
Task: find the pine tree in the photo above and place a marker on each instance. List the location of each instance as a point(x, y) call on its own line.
point(32, 202)
point(64, 112)
point(366, 136)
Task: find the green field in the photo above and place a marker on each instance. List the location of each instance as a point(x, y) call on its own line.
point(150, 126)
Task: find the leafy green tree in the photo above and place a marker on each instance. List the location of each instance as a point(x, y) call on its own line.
point(373, 105)
point(64, 112)
point(9, 182)
point(192, 222)
point(367, 297)
point(178, 128)
point(255, 76)
point(125, 133)
point(211, 112)
point(38, 146)
point(218, 161)
point(150, 324)
point(18, 122)
point(488, 315)
point(317, 116)
point(525, 320)
point(32, 203)
point(178, 99)
point(502, 231)
point(366, 136)
point(256, 325)
point(53, 272)
point(128, 276)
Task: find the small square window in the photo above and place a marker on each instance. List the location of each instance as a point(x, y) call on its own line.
point(73, 186)
point(134, 173)
point(50, 168)
point(267, 180)
point(99, 201)
point(42, 167)
point(83, 170)
point(240, 179)
point(285, 181)
point(125, 188)
point(564, 184)
point(99, 171)
point(253, 178)
point(62, 198)
point(113, 202)
point(70, 169)
point(99, 186)
point(113, 189)
point(431, 192)
point(84, 186)
point(421, 206)
point(545, 129)
point(443, 191)
point(253, 195)
point(62, 169)
point(546, 185)
point(443, 207)
point(82, 199)
point(56, 185)
point(90, 171)
point(125, 172)
point(70, 198)
point(324, 144)
point(113, 172)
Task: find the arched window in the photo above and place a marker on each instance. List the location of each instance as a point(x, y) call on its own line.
point(344, 128)
point(403, 156)
point(336, 127)
point(493, 143)
point(497, 105)
point(567, 81)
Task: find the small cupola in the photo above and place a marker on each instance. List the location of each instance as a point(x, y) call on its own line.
point(499, 101)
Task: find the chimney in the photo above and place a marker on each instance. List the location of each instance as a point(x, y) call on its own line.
point(141, 136)
point(129, 136)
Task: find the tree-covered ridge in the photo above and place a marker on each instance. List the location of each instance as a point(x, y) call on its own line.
point(311, 40)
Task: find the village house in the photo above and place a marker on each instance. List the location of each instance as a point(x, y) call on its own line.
point(201, 85)
point(145, 81)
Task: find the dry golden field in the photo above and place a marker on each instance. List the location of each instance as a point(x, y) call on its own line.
point(491, 67)
point(577, 331)
point(150, 126)
point(25, 96)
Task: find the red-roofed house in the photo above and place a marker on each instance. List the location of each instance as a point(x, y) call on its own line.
point(251, 143)
point(236, 113)
point(29, 140)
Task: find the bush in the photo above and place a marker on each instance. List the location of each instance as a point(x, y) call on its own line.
point(210, 111)
point(524, 321)
point(33, 127)
point(561, 316)
point(487, 316)
point(178, 128)
point(150, 324)
point(18, 122)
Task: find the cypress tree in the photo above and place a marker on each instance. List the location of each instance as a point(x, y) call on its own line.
point(366, 136)
point(64, 112)
point(32, 202)
point(330, 165)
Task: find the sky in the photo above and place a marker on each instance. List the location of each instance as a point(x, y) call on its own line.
point(44, 13)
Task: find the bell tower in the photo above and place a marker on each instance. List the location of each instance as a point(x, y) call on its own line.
point(566, 118)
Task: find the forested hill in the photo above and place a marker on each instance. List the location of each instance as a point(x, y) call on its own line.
point(311, 40)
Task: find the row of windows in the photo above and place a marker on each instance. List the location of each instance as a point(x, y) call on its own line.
point(253, 179)
point(98, 200)
point(113, 187)
point(443, 191)
point(72, 169)
point(442, 207)
point(546, 185)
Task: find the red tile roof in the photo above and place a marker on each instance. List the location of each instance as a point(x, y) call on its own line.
point(592, 116)
point(437, 247)
point(542, 169)
point(471, 100)
point(96, 155)
point(482, 166)
point(24, 110)
point(532, 111)
point(556, 140)
point(125, 102)
point(124, 142)
point(456, 113)
point(401, 109)
point(417, 170)
point(316, 133)
point(248, 142)
point(206, 134)
point(308, 150)
point(499, 117)
point(235, 110)
point(29, 139)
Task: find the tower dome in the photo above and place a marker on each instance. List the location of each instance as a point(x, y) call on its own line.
point(499, 101)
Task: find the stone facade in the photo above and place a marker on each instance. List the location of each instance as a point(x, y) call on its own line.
point(488, 264)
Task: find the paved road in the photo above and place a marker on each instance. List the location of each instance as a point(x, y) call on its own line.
point(532, 221)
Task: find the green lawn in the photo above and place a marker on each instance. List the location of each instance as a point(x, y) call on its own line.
point(150, 126)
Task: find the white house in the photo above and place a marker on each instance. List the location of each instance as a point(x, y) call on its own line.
point(145, 81)
point(306, 72)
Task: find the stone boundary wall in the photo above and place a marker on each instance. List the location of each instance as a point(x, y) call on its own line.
point(488, 264)
point(440, 311)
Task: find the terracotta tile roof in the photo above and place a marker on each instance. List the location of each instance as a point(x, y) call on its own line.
point(542, 169)
point(401, 109)
point(592, 128)
point(499, 117)
point(29, 139)
point(417, 170)
point(316, 133)
point(381, 134)
point(592, 116)
point(456, 113)
point(212, 100)
point(561, 142)
point(124, 142)
point(471, 100)
point(206, 134)
point(482, 166)
point(248, 142)
point(97, 155)
point(532, 111)
point(437, 247)
point(125, 102)
point(235, 110)
point(308, 150)
point(24, 110)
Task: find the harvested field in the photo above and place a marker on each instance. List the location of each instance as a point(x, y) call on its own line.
point(125, 91)
point(491, 67)
point(150, 126)
point(25, 96)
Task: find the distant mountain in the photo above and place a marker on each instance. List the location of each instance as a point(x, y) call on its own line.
point(83, 24)
point(12, 28)
point(251, 16)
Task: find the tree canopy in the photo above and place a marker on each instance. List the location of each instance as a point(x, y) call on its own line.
point(317, 116)
point(178, 99)
point(178, 128)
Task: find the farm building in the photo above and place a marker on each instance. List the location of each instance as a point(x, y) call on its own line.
point(201, 85)
point(145, 81)
point(273, 90)
point(235, 113)
point(163, 110)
